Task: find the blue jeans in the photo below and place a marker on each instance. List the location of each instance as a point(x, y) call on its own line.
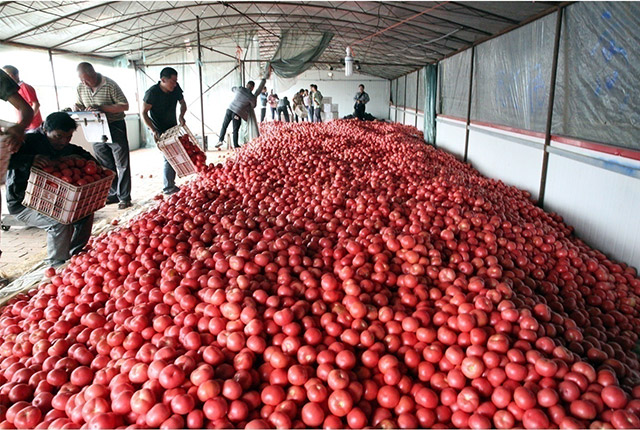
point(310, 110)
point(169, 176)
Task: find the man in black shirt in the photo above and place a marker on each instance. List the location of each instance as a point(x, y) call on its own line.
point(159, 113)
point(49, 142)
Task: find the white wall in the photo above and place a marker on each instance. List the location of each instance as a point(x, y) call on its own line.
point(341, 89)
point(450, 136)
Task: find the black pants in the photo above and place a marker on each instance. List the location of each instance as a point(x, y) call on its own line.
point(359, 110)
point(230, 116)
point(282, 110)
point(263, 113)
point(115, 156)
point(273, 113)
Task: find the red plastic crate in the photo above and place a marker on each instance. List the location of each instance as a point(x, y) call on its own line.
point(175, 153)
point(63, 201)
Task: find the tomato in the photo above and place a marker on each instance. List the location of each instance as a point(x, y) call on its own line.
point(340, 403)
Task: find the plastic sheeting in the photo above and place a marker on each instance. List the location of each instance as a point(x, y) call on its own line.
point(512, 74)
point(454, 84)
point(297, 52)
point(597, 95)
point(431, 87)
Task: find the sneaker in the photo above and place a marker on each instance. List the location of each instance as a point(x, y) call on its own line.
point(171, 190)
point(124, 205)
point(112, 199)
point(219, 145)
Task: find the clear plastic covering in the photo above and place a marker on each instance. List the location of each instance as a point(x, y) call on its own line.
point(297, 51)
point(596, 90)
point(421, 91)
point(394, 95)
point(401, 90)
point(412, 82)
point(431, 88)
point(454, 84)
point(512, 74)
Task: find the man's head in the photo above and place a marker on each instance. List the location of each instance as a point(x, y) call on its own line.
point(361, 88)
point(88, 75)
point(13, 72)
point(314, 88)
point(264, 90)
point(168, 79)
point(59, 128)
point(301, 91)
point(251, 85)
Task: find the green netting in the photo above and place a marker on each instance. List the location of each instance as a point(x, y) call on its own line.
point(297, 52)
point(431, 87)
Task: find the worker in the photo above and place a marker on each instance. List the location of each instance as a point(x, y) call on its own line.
point(49, 142)
point(28, 93)
point(284, 107)
point(263, 104)
point(241, 108)
point(316, 101)
point(159, 113)
point(99, 93)
point(9, 92)
point(361, 99)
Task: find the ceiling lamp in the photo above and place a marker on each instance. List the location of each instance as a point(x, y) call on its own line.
point(348, 62)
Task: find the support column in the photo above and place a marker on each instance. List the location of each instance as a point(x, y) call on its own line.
point(53, 74)
point(204, 139)
point(466, 137)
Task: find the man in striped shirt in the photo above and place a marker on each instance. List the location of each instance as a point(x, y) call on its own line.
point(99, 93)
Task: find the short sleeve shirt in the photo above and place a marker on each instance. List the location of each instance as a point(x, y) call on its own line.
point(163, 106)
point(107, 93)
point(8, 87)
point(29, 95)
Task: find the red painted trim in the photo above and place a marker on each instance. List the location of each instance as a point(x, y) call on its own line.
point(509, 129)
point(599, 147)
point(455, 118)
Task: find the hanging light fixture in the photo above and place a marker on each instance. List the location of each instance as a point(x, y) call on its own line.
point(348, 62)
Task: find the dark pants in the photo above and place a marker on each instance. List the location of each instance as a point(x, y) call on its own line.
point(169, 177)
point(318, 113)
point(63, 240)
point(310, 110)
point(296, 118)
point(273, 113)
point(115, 156)
point(263, 113)
point(359, 110)
point(230, 116)
point(283, 110)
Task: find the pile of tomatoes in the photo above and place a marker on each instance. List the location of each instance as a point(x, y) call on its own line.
point(75, 170)
point(334, 275)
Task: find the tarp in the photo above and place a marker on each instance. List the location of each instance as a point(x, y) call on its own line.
point(454, 84)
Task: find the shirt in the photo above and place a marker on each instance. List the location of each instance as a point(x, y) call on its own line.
point(107, 93)
point(362, 96)
point(29, 95)
point(316, 98)
point(8, 87)
point(35, 143)
point(283, 103)
point(163, 106)
point(273, 100)
point(263, 99)
point(244, 101)
point(297, 100)
point(305, 99)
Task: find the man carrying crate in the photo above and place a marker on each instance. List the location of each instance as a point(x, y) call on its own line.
point(159, 113)
point(52, 142)
point(99, 93)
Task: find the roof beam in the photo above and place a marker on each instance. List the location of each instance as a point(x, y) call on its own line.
point(495, 15)
point(44, 24)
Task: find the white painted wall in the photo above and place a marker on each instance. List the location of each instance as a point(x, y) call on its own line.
point(601, 205)
point(341, 89)
point(450, 136)
point(502, 155)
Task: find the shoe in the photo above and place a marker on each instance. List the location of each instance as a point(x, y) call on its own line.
point(112, 199)
point(124, 205)
point(219, 144)
point(171, 190)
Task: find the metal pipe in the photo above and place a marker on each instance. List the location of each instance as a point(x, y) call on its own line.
point(404, 103)
point(552, 95)
point(53, 73)
point(397, 101)
point(204, 140)
point(417, 98)
point(466, 131)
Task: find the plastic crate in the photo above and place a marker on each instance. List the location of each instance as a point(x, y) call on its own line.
point(63, 201)
point(175, 153)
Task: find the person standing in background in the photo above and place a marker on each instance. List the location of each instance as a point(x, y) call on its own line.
point(361, 99)
point(159, 113)
point(298, 106)
point(263, 104)
point(283, 108)
point(273, 104)
point(28, 94)
point(99, 93)
point(316, 98)
point(306, 99)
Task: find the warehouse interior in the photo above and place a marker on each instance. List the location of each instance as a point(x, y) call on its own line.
point(539, 97)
